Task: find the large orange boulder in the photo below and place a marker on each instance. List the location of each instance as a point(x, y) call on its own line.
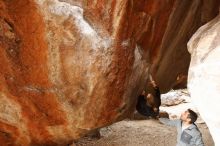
point(71, 66)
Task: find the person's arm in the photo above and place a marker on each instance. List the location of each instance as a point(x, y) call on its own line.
point(199, 141)
point(169, 122)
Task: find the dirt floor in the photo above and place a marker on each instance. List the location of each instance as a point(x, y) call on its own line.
point(140, 133)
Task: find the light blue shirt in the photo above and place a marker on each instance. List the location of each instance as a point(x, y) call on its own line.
point(191, 136)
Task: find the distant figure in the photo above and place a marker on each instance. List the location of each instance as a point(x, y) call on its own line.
point(188, 132)
point(149, 102)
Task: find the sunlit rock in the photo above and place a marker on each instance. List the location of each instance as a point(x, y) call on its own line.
point(204, 74)
point(175, 97)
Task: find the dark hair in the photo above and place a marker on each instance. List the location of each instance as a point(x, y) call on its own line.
point(192, 115)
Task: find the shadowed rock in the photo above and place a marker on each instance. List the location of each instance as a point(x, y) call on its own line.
point(71, 66)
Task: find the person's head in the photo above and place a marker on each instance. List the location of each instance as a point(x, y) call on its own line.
point(189, 116)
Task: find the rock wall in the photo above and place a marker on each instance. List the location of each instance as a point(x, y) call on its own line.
point(173, 58)
point(204, 71)
point(71, 66)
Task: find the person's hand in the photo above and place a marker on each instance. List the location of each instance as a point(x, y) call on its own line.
point(143, 92)
point(153, 83)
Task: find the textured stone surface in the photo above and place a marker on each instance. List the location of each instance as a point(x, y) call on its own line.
point(173, 58)
point(72, 66)
point(204, 71)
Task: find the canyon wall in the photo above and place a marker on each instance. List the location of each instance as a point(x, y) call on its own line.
point(204, 71)
point(71, 66)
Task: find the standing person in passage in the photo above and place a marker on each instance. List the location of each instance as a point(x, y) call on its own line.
point(188, 132)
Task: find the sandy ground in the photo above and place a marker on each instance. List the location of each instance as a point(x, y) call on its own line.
point(140, 133)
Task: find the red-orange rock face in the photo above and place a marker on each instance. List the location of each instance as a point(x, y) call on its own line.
point(72, 66)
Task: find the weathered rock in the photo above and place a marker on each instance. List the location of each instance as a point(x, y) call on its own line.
point(73, 66)
point(173, 58)
point(175, 97)
point(204, 74)
point(62, 76)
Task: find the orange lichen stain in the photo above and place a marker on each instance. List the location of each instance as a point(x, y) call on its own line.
point(101, 14)
point(30, 28)
point(24, 75)
point(43, 107)
point(8, 134)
